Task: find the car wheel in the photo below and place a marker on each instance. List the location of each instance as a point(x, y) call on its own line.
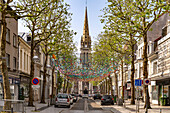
point(112, 103)
point(71, 103)
point(102, 104)
point(68, 106)
point(55, 106)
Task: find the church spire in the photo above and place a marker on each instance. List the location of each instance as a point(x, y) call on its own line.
point(86, 28)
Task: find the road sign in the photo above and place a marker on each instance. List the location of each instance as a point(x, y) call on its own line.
point(147, 81)
point(35, 86)
point(35, 81)
point(138, 82)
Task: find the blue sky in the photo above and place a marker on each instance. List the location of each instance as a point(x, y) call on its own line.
point(77, 7)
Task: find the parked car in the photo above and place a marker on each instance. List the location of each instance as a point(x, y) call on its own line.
point(97, 96)
point(107, 99)
point(85, 96)
point(71, 99)
point(80, 95)
point(63, 100)
point(74, 97)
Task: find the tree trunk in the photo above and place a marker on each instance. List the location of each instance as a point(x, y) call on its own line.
point(30, 102)
point(67, 87)
point(116, 85)
point(4, 70)
point(53, 93)
point(64, 85)
point(111, 89)
point(122, 80)
point(132, 73)
point(106, 85)
point(145, 62)
point(58, 77)
point(44, 78)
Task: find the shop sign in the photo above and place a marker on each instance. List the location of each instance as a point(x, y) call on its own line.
point(153, 83)
point(25, 80)
point(11, 80)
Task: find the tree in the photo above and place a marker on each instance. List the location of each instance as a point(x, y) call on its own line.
point(34, 24)
point(137, 16)
point(111, 46)
point(13, 9)
point(59, 19)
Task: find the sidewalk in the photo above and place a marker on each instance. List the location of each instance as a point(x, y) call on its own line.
point(132, 108)
point(38, 107)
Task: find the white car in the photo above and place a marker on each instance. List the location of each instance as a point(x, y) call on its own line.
point(85, 96)
point(63, 100)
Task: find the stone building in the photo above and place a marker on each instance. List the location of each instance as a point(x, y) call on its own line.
point(11, 57)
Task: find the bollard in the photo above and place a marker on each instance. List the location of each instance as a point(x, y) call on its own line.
point(35, 107)
point(160, 111)
point(12, 108)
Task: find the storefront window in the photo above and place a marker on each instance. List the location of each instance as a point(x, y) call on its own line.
point(154, 92)
point(1, 91)
point(165, 91)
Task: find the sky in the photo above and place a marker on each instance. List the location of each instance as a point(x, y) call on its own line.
point(77, 7)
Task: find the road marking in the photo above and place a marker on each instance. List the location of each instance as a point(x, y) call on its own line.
point(86, 109)
point(61, 111)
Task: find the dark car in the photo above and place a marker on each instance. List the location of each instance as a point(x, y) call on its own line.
point(107, 99)
point(97, 96)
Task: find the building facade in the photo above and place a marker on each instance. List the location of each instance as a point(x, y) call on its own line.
point(11, 57)
point(24, 68)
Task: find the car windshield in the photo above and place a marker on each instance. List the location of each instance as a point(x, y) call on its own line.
point(62, 96)
point(106, 97)
point(97, 94)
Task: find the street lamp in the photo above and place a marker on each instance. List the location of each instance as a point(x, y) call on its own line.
point(35, 58)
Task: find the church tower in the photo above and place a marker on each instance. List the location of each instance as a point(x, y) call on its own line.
point(85, 49)
point(85, 55)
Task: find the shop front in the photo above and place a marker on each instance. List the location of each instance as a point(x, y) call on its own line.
point(14, 84)
point(24, 87)
point(163, 89)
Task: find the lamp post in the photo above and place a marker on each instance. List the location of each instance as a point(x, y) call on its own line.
point(48, 67)
point(35, 59)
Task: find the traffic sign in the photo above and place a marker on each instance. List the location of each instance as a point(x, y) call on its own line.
point(147, 81)
point(35, 81)
point(35, 86)
point(138, 82)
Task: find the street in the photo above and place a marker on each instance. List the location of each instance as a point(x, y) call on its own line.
point(81, 106)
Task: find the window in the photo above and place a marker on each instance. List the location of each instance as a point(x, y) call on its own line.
point(135, 73)
point(7, 35)
point(148, 49)
point(85, 45)
point(154, 67)
point(14, 63)
point(8, 60)
point(21, 59)
point(25, 61)
point(15, 40)
point(139, 52)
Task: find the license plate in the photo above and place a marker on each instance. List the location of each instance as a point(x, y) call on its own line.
point(107, 99)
